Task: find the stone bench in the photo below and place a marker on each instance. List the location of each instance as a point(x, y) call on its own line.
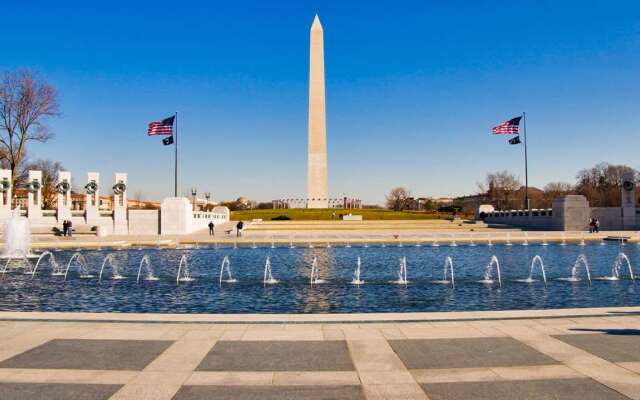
point(57, 230)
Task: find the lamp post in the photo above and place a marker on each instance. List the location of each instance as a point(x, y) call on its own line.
point(194, 192)
point(207, 196)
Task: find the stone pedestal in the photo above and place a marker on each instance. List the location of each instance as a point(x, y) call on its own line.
point(120, 225)
point(34, 198)
point(571, 213)
point(5, 193)
point(92, 199)
point(176, 216)
point(63, 189)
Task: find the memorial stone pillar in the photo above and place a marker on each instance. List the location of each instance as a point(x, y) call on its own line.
point(5, 193)
point(34, 197)
point(629, 201)
point(92, 198)
point(120, 223)
point(63, 194)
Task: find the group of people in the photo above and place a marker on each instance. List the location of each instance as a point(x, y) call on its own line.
point(594, 225)
point(239, 227)
point(67, 227)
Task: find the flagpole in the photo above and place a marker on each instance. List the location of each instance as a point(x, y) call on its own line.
point(526, 169)
point(175, 172)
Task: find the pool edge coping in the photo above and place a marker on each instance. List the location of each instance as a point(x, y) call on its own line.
point(353, 318)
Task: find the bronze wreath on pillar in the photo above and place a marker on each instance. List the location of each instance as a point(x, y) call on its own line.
point(91, 187)
point(119, 188)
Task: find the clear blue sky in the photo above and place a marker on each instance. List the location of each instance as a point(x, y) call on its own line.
point(413, 88)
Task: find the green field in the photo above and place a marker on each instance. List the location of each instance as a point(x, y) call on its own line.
point(327, 214)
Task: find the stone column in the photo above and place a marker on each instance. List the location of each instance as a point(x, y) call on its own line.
point(92, 198)
point(629, 201)
point(63, 190)
point(176, 216)
point(120, 224)
point(571, 213)
point(5, 193)
point(34, 198)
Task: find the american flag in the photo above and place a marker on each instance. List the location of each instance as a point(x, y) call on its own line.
point(164, 127)
point(508, 127)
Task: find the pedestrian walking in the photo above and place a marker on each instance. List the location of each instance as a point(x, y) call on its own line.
point(65, 227)
point(211, 228)
point(69, 228)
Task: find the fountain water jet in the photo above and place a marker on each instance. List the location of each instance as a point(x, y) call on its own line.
point(315, 273)
point(488, 278)
point(402, 272)
point(448, 269)
point(115, 270)
point(356, 274)
point(615, 268)
point(268, 277)
point(526, 239)
point(56, 270)
point(508, 239)
point(226, 266)
point(434, 243)
point(453, 240)
point(581, 260)
point(183, 275)
point(536, 260)
point(81, 262)
point(17, 237)
point(146, 263)
point(22, 263)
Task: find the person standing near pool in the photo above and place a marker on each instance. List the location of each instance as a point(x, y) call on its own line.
point(239, 227)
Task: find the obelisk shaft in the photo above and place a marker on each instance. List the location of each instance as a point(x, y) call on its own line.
point(317, 186)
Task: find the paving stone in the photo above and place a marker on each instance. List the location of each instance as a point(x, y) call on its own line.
point(559, 389)
point(611, 347)
point(89, 354)
point(55, 391)
point(278, 356)
point(467, 353)
point(270, 392)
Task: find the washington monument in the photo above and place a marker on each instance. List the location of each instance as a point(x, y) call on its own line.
point(317, 186)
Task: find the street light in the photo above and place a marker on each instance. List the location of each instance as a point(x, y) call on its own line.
point(194, 192)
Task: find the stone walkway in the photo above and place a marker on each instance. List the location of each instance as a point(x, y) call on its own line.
point(555, 354)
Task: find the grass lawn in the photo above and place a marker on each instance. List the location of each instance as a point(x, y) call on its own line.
point(326, 214)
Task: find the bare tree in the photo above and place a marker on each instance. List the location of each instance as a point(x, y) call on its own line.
point(25, 102)
point(398, 199)
point(553, 190)
point(50, 171)
point(498, 187)
point(601, 184)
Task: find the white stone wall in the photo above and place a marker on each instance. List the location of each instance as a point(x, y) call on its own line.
point(144, 222)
